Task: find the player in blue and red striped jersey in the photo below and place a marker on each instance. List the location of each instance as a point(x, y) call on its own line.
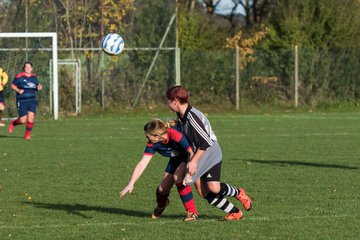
point(25, 85)
point(168, 140)
point(205, 166)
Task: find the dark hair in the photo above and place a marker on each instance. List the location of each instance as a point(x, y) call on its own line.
point(178, 92)
point(27, 62)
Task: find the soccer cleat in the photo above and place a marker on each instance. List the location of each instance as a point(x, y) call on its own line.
point(1, 124)
point(159, 210)
point(244, 199)
point(27, 136)
point(234, 216)
point(11, 126)
point(191, 217)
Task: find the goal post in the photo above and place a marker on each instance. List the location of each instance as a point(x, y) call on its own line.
point(77, 65)
point(53, 36)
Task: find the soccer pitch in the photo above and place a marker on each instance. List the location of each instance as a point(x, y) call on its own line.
point(302, 171)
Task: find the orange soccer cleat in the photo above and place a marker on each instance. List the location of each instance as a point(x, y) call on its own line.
point(244, 199)
point(234, 216)
point(11, 126)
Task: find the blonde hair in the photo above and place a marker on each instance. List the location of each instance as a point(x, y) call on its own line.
point(157, 127)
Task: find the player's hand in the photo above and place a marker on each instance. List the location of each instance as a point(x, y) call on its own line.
point(187, 179)
point(191, 166)
point(39, 87)
point(127, 189)
point(21, 91)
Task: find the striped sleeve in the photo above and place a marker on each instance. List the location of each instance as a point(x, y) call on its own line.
point(180, 138)
point(201, 136)
point(149, 149)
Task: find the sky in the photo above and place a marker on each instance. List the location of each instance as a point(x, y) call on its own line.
point(225, 7)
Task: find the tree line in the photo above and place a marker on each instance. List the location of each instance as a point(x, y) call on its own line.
point(327, 33)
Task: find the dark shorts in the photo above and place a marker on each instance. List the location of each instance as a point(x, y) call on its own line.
point(25, 107)
point(174, 163)
point(213, 175)
point(2, 98)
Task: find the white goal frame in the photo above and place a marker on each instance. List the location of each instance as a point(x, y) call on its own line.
point(53, 36)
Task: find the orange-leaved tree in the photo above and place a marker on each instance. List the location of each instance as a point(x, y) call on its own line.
point(246, 45)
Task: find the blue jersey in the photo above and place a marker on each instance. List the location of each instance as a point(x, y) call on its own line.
point(176, 145)
point(28, 84)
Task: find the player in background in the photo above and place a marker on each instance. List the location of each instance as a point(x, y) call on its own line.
point(168, 140)
point(205, 166)
point(3, 80)
point(25, 85)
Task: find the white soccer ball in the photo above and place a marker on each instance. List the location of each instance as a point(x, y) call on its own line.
point(113, 44)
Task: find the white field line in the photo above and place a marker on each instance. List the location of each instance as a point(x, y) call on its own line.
point(177, 221)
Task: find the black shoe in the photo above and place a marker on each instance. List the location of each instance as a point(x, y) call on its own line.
point(159, 210)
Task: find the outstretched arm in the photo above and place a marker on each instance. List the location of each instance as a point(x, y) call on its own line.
point(139, 169)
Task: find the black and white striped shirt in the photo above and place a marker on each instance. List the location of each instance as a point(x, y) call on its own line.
point(197, 128)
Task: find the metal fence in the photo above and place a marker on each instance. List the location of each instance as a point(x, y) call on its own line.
point(113, 83)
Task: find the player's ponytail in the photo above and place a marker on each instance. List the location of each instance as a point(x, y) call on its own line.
point(171, 123)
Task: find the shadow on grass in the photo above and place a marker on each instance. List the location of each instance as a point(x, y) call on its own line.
point(78, 209)
point(10, 136)
point(298, 163)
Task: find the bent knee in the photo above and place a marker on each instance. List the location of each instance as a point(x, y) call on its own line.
point(163, 191)
point(214, 187)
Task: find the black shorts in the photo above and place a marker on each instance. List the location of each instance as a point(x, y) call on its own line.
point(25, 107)
point(2, 98)
point(174, 163)
point(213, 175)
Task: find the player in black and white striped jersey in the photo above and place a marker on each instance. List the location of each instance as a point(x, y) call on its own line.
point(205, 166)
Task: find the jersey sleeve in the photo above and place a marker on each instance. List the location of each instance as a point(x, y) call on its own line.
point(3, 77)
point(201, 136)
point(150, 149)
point(180, 138)
point(36, 81)
point(15, 81)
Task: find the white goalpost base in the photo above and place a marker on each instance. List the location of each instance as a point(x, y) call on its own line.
point(53, 36)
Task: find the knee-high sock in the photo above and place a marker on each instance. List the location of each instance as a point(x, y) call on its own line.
point(161, 199)
point(221, 203)
point(17, 122)
point(228, 190)
point(187, 198)
point(29, 127)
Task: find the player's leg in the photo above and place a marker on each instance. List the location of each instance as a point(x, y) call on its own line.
point(2, 107)
point(22, 111)
point(211, 187)
point(162, 194)
point(238, 193)
point(225, 189)
point(185, 193)
point(29, 124)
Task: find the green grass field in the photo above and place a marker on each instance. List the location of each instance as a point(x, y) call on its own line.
point(302, 171)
